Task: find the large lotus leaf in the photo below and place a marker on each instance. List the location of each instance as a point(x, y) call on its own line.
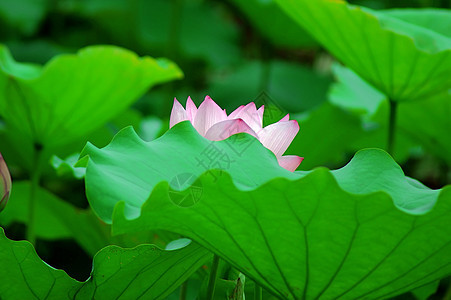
point(174, 162)
point(260, 11)
point(74, 94)
point(20, 151)
point(145, 271)
point(342, 234)
point(310, 239)
point(403, 60)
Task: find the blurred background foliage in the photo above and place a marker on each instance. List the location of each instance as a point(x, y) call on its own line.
point(236, 52)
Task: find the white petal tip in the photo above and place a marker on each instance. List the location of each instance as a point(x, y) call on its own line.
point(178, 114)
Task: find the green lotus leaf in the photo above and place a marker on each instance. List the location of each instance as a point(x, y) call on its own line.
point(65, 167)
point(145, 271)
point(403, 59)
point(73, 95)
point(174, 162)
point(322, 234)
point(352, 93)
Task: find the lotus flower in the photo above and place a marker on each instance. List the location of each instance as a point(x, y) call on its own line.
point(213, 123)
point(5, 183)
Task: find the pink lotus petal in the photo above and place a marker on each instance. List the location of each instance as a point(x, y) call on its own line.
point(211, 121)
point(250, 115)
point(290, 162)
point(235, 113)
point(260, 112)
point(285, 119)
point(178, 114)
point(278, 136)
point(208, 114)
point(222, 130)
point(191, 109)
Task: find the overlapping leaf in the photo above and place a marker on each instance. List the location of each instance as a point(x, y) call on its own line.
point(145, 271)
point(354, 94)
point(322, 235)
point(400, 57)
point(74, 94)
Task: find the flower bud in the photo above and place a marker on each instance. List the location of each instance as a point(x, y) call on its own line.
point(5, 183)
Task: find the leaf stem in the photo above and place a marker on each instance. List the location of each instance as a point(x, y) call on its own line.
point(265, 55)
point(212, 279)
point(258, 293)
point(173, 45)
point(174, 29)
point(35, 178)
point(447, 293)
point(392, 126)
point(183, 290)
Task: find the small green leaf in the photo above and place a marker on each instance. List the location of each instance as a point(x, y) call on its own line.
point(145, 271)
point(66, 166)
